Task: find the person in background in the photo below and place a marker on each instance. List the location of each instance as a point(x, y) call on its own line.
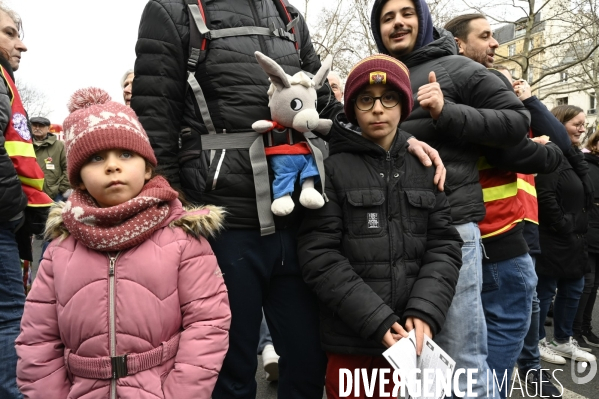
point(509, 278)
point(51, 157)
point(21, 195)
point(563, 221)
point(583, 331)
point(336, 85)
point(127, 86)
point(543, 123)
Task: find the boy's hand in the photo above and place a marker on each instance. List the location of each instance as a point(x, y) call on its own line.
point(428, 156)
point(421, 329)
point(431, 97)
point(394, 334)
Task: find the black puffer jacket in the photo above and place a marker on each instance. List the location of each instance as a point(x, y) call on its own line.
point(478, 109)
point(383, 247)
point(12, 197)
point(593, 233)
point(234, 86)
point(563, 222)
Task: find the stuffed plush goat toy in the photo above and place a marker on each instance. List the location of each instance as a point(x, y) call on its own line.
point(292, 102)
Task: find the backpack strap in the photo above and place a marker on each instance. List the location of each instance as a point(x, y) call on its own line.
point(319, 160)
point(253, 141)
point(196, 55)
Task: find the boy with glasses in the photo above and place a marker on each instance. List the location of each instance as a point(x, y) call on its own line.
point(381, 254)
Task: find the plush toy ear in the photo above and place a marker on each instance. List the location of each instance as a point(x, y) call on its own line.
point(277, 75)
point(321, 76)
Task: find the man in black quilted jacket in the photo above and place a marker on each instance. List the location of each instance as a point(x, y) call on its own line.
point(260, 270)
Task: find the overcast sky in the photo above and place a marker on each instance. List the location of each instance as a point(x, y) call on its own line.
point(78, 43)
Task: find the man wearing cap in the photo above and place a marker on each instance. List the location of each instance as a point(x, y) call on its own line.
point(459, 105)
point(51, 157)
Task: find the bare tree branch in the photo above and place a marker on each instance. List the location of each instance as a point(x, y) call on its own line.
point(34, 101)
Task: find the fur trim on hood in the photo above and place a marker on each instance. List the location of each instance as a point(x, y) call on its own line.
point(204, 221)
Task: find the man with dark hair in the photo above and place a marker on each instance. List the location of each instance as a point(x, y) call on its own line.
point(474, 37)
point(508, 269)
point(459, 106)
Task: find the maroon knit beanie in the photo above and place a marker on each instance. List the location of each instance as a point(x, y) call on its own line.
point(96, 123)
point(378, 68)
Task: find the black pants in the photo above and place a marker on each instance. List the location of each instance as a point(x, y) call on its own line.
point(584, 315)
point(263, 272)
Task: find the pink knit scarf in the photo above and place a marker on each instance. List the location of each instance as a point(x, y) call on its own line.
point(122, 226)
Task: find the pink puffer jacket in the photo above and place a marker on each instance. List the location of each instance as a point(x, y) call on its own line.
point(170, 283)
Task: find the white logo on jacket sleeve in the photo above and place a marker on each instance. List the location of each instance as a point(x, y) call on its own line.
point(373, 220)
point(19, 121)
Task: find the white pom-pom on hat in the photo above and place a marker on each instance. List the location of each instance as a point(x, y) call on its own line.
point(85, 98)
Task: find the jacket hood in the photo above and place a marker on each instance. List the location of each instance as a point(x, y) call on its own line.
point(347, 137)
point(204, 221)
point(425, 24)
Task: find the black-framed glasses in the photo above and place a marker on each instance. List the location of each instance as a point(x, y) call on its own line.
point(389, 99)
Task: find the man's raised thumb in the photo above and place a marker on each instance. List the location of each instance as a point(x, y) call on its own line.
point(432, 78)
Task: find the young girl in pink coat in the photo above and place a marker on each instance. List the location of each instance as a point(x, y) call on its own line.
point(129, 301)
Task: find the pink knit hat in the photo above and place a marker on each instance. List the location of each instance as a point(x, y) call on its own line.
point(96, 123)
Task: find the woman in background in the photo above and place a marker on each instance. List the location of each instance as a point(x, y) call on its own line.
point(562, 229)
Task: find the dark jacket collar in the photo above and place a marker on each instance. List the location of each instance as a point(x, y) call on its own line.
point(347, 137)
point(48, 141)
point(443, 45)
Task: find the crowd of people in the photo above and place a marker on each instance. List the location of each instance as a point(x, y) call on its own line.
point(456, 205)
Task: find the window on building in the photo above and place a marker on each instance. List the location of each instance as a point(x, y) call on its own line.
point(592, 104)
point(511, 50)
point(530, 45)
point(562, 101)
point(563, 76)
point(531, 74)
point(513, 72)
point(519, 29)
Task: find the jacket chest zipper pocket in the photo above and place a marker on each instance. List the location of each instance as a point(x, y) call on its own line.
point(365, 212)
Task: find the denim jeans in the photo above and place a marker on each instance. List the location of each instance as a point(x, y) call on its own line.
point(530, 358)
point(12, 301)
point(564, 307)
point(464, 334)
point(263, 273)
point(508, 288)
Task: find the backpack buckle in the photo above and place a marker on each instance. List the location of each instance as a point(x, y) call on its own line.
point(119, 366)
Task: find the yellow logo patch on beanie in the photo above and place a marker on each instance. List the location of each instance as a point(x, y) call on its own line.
point(378, 77)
